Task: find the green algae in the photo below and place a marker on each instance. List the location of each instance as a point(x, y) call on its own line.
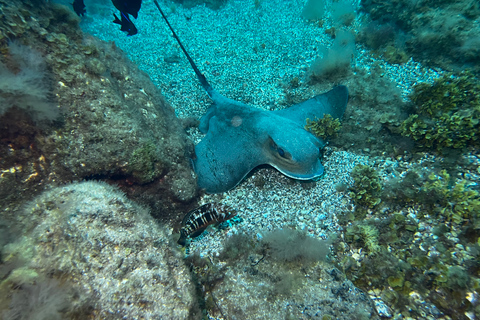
point(395, 55)
point(365, 233)
point(424, 243)
point(456, 204)
point(325, 127)
point(143, 162)
point(447, 113)
point(366, 188)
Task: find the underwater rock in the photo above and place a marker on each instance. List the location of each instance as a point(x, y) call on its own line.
point(376, 114)
point(435, 33)
point(262, 282)
point(108, 248)
point(128, 131)
point(115, 123)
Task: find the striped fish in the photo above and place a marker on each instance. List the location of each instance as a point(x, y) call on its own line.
point(197, 220)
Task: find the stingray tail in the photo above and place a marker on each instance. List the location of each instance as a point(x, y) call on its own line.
point(200, 76)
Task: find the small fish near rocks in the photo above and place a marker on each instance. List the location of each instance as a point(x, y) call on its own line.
point(197, 220)
point(79, 7)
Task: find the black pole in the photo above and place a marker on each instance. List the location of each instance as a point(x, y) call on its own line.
point(200, 76)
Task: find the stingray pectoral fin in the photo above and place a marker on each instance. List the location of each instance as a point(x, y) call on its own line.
point(333, 102)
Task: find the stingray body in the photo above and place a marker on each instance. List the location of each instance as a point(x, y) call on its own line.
point(240, 137)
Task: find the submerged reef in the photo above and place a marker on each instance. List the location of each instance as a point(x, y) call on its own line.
point(418, 250)
point(447, 113)
point(437, 33)
point(107, 119)
point(374, 115)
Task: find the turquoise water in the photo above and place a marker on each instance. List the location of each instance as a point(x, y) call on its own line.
point(97, 153)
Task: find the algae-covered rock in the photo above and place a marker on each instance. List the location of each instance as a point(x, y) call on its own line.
point(275, 292)
point(438, 33)
point(374, 114)
point(285, 275)
point(115, 124)
point(108, 248)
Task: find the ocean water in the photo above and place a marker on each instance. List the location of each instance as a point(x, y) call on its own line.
point(397, 209)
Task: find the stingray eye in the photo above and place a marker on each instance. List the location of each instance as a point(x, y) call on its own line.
point(284, 154)
point(279, 150)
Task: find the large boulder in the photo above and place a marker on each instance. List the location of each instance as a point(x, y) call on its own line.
point(87, 251)
point(114, 124)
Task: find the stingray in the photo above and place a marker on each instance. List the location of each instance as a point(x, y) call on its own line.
point(240, 137)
